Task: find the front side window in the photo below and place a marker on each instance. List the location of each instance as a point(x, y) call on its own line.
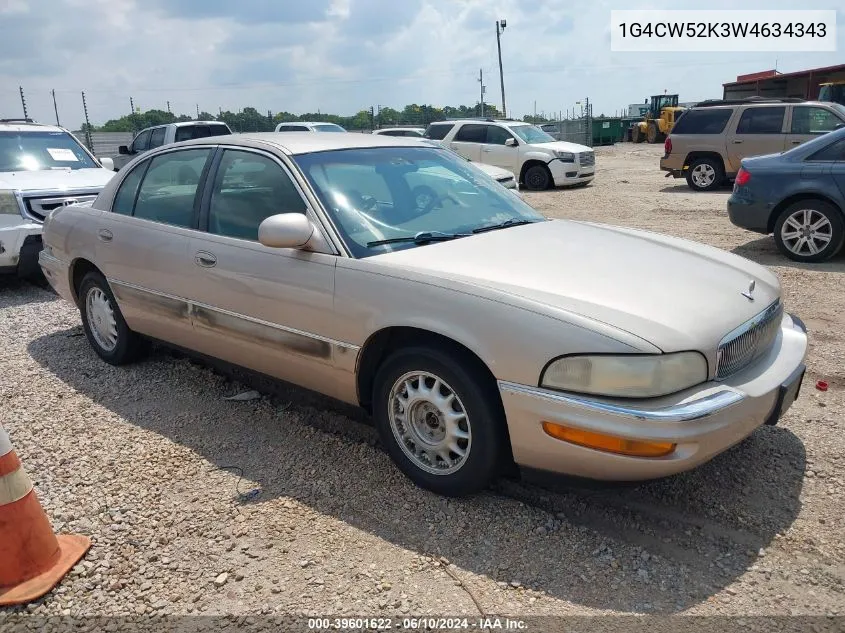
point(41, 151)
point(328, 127)
point(248, 189)
point(169, 188)
point(141, 142)
point(813, 120)
point(761, 121)
point(532, 134)
point(383, 193)
point(497, 135)
point(472, 133)
point(157, 137)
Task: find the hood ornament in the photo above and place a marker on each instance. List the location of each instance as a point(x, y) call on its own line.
point(749, 294)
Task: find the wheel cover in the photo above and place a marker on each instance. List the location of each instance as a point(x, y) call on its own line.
point(536, 179)
point(806, 232)
point(101, 320)
point(429, 422)
point(703, 175)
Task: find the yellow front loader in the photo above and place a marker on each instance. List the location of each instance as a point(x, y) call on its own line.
point(659, 120)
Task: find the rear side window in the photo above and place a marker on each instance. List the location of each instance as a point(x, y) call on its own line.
point(439, 131)
point(831, 153)
point(472, 133)
point(703, 121)
point(169, 187)
point(812, 120)
point(186, 132)
point(761, 121)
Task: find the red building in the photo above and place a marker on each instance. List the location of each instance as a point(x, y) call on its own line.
point(771, 83)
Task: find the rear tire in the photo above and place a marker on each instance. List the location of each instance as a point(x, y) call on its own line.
point(103, 323)
point(810, 231)
point(537, 178)
point(705, 174)
point(653, 134)
point(421, 421)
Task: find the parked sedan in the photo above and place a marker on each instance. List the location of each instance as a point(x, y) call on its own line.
point(798, 195)
point(475, 330)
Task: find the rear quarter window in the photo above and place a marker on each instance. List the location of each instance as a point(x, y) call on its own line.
point(703, 121)
point(438, 132)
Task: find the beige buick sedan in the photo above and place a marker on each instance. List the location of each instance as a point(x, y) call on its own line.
point(397, 276)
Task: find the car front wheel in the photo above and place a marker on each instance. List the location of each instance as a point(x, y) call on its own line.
point(537, 178)
point(104, 326)
point(810, 231)
point(441, 423)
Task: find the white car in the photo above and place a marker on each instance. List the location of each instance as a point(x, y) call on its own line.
point(158, 135)
point(525, 149)
point(42, 167)
point(309, 126)
point(504, 177)
point(401, 131)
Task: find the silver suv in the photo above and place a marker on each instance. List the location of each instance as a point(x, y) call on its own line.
point(156, 136)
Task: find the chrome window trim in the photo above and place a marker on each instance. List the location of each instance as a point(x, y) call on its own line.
point(685, 412)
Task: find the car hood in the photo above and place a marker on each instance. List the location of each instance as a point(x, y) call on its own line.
point(563, 146)
point(674, 293)
point(55, 179)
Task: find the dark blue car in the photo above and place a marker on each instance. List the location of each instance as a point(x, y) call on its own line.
point(798, 195)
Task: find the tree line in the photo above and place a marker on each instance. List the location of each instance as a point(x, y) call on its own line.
point(251, 120)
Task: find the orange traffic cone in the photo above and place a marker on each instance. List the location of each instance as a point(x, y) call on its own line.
point(32, 559)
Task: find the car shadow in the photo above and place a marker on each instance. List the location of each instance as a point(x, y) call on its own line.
point(656, 547)
point(15, 291)
point(684, 188)
point(764, 251)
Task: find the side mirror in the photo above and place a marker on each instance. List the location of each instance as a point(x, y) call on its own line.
point(511, 142)
point(107, 163)
point(123, 149)
point(285, 230)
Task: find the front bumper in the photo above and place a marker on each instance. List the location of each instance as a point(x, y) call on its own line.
point(19, 246)
point(703, 421)
point(564, 174)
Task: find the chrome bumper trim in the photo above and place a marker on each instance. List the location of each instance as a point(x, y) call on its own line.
point(685, 412)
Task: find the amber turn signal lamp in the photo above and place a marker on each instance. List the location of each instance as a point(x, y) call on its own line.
point(608, 443)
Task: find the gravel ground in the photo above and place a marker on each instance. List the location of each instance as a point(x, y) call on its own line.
point(161, 471)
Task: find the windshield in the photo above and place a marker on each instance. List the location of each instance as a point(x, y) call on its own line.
point(531, 134)
point(38, 151)
point(328, 127)
point(397, 192)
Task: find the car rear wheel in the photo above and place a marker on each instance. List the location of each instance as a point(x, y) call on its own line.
point(537, 178)
point(705, 174)
point(441, 423)
point(104, 326)
point(810, 231)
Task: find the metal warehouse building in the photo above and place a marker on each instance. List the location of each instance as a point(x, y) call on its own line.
point(771, 83)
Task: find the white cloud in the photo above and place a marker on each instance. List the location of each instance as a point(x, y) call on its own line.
point(342, 56)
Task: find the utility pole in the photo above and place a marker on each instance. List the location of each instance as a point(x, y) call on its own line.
point(23, 103)
point(168, 108)
point(55, 107)
point(481, 81)
point(88, 139)
point(500, 27)
point(535, 110)
point(198, 112)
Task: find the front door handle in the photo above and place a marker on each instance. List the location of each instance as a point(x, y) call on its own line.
point(205, 259)
point(796, 142)
point(737, 142)
point(486, 150)
point(105, 235)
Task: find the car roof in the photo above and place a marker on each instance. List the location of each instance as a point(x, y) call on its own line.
point(755, 104)
point(19, 125)
point(308, 123)
point(392, 129)
point(307, 142)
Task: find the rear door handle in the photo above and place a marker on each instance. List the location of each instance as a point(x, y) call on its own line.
point(205, 259)
point(796, 142)
point(737, 142)
point(486, 150)
point(105, 235)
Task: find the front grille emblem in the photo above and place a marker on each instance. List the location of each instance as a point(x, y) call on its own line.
point(750, 293)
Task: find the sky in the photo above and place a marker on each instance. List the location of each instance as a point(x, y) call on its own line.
point(342, 56)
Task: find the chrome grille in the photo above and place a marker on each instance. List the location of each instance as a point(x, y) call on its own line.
point(39, 208)
point(587, 159)
point(749, 341)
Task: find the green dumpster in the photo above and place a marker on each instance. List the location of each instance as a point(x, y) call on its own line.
point(607, 131)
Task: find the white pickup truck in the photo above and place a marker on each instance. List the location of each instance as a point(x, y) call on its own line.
point(152, 137)
point(42, 167)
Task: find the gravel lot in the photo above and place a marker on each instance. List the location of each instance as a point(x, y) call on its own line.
point(153, 464)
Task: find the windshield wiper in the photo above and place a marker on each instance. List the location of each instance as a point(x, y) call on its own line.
point(423, 237)
point(503, 225)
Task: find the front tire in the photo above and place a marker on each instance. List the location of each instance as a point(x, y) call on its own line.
point(103, 323)
point(636, 135)
point(537, 178)
point(705, 174)
point(810, 231)
point(441, 422)
point(653, 134)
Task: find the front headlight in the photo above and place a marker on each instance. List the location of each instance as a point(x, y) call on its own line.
point(566, 157)
point(626, 376)
point(8, 203)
